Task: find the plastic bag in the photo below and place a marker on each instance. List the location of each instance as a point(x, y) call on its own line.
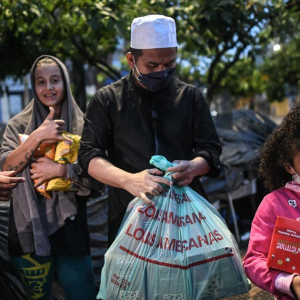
point(64, 154)
point(60, 152)
point(45, 149)
point(178, 249)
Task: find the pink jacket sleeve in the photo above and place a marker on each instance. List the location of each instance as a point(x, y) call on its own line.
point(255, 261)
point(283, 283)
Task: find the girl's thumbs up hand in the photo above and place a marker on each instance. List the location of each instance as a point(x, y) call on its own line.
point(51, 129)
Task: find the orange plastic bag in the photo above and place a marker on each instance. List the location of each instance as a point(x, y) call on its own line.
point(46, 149)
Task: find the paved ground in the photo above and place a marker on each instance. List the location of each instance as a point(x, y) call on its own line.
point(255, 293)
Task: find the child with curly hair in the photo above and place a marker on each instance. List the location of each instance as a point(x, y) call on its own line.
point(279, 169)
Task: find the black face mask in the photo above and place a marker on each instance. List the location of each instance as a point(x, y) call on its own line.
point(155, 81)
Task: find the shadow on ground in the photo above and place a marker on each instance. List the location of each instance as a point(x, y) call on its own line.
point(254, 294)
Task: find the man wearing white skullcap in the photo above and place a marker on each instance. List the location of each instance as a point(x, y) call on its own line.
point(145, 113)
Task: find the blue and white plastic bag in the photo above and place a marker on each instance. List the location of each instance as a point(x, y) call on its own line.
point(178, 249)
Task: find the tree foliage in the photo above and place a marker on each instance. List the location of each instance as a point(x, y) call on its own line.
point(214, 36)
point(245, 79)
point(64, 28)
point(283, 71)
point(275, 73)
point(223, 33)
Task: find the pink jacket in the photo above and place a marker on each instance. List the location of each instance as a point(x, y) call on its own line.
point(284, 202)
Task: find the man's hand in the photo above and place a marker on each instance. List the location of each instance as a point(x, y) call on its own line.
point(45, 169)
point(8, 183)
point(146, 182)
point(186, 170)
point(296, 286)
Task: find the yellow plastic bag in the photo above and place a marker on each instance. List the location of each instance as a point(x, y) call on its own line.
point(64, 154)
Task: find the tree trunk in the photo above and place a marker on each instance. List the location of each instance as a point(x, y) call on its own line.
point(79, 83)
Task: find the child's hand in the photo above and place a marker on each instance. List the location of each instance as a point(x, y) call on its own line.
point(7, 183)
point(46, 169)
point(51, 129)
point(296, 286)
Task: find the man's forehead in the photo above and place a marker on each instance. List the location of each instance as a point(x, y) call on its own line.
point(159, 54)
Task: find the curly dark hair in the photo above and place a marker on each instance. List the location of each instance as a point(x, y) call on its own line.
point(278, 151)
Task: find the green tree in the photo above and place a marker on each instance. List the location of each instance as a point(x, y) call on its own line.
point(283, 71)
point(244, 79)
point(213, 35)
point(222, 33)
point(65, 28)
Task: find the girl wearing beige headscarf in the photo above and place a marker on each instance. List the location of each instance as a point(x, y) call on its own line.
point(48, 235)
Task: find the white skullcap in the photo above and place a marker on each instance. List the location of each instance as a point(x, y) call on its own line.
point(153, 31)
